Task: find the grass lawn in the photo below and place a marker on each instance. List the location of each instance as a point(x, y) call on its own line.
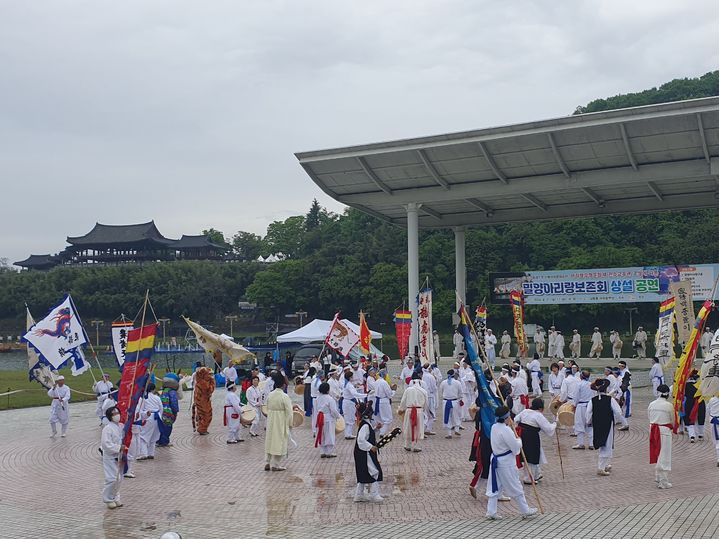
point(36, 395)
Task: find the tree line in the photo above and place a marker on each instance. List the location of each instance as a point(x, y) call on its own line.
point(354, 261)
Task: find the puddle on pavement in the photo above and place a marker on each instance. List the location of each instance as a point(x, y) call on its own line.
point(402, 482)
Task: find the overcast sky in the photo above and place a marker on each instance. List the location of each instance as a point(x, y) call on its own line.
point(189, 113)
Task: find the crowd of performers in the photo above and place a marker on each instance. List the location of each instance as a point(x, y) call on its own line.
point(354, 400)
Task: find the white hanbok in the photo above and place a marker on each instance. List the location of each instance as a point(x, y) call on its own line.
point(150, 431)
point(504, 476)
point(661, 412)
point(59, 408)
point(451, 391)
point(327, 406)
point(111, 443)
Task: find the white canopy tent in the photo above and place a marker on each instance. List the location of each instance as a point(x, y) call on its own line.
point(317, 330)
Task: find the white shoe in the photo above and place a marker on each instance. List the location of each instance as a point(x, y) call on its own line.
point(62, 435)
point(129, 475)
point(531, 513)
point(361, 498)
point(53, 435)
point(111, 505)
point(118, 504)
point(376, 498)
point(504, 499)
point(603, 472)
point(495, 516)
point(664, 485)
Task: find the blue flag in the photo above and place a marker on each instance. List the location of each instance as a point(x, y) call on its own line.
point(487, 401)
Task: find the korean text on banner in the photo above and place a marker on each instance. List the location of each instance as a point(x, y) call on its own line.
point(119, 340)
point(340, 337)
point(682, 292)
point(517, 303)
point(424, 320)
point(665, 333)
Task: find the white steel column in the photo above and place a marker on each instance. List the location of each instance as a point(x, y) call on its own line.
point(413, 269)
point(460, 266)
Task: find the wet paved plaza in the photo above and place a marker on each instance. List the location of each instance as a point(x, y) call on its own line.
point(204, 488)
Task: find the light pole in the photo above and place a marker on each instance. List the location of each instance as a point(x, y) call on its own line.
point(163, 321)
point(301, 315)
point(97, 324)
point(631, 310)
point(231, 318)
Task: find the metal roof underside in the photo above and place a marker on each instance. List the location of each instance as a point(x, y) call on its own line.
point(638, 160)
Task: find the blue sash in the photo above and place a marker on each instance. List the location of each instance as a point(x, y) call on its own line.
point(376, 405)
point(715, 422)
point(447, 409)
point(493, 470)
point(627, 403)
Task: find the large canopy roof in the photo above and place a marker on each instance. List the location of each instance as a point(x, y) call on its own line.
point(637, 160)
point(102, 235)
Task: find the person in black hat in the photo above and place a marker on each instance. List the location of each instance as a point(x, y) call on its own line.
point(602, 413)
point(531, 422)
point(504, 476)
point(367, 466)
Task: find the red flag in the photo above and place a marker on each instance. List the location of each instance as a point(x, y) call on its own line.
point(403, 327)
point(365, 335)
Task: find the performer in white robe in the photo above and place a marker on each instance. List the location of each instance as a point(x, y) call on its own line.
point(535, 369)
point(661, 425)
point(335, 383)
point(111, 444)
point(60, 406)
point(230, 374)
point(406, 374)
point(582, 423)
point(520, 391)
point(102, 389)
point(435, 345)
point(490, 342)
point(451, 391)
point(458, 342)
point(506, 349)
point(602, 413)
point(556, 377)
point(430, 383)
point(350, 398)
point(656, 375)
point(613, 390)
point(150, 431)
point(625, 384)
point(279, 423)
point(539, 341)
point(575, 345)
point(314, 393)
point(255, 398)
point(466, 376)
point(617, 344)
point(552, 343)
point(233, 411)
point(640, 343)
point(383, 403)
point(705, 341)
point(413, 405)
point(504, 476)
point(532, 422)
point(559, 345)
point(597, 344)
point(713, 411)
point(327, 415)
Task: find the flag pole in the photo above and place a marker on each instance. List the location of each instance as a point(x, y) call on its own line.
point(504, 403)
point(559, 451)
point(123, 448)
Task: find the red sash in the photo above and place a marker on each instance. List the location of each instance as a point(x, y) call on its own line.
point(224, 416)
point(524, 399)
point(414, 422)
point(319, 425)
point(477, 446)
point(520, 464)
point(655, 442)
point(694, 413)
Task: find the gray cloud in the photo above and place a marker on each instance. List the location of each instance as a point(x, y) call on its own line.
point(189, 112)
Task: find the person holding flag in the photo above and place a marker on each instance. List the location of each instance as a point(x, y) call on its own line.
point(60, 406)
point(102, 389)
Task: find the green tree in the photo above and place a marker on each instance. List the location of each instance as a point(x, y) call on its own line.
point(246, 245)
point(285, 236)
point(215, 236)
point(312, 219)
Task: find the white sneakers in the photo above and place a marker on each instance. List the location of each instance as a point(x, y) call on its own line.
point(361, 498)
point(531, 513)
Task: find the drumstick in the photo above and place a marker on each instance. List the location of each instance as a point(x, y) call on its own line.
point(559, 450)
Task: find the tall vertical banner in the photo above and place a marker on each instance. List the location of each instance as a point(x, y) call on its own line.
point(687, 358)
point(119, 340)
point(516, 300)
point(682, 292)
point(488, 402)
point(365, 336)
point(480, 316)
point(424, 322)
point(664, 342)
point(402, 327)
